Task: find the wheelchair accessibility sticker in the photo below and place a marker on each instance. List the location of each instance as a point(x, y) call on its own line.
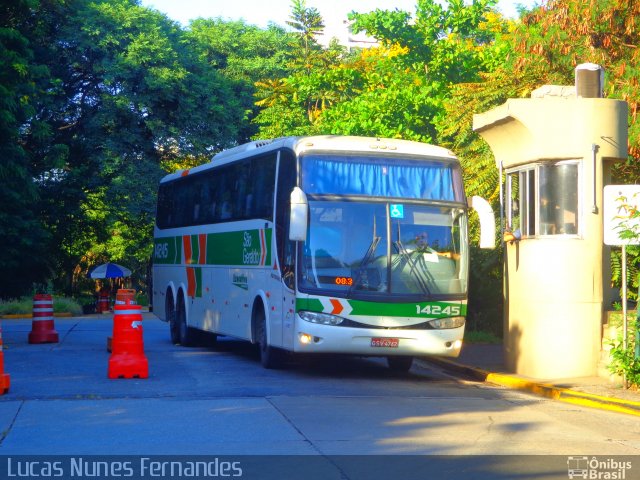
point(397, 211)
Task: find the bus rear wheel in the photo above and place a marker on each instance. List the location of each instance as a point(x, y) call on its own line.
point(174, 329)
point(186, 334)
point(400, 364)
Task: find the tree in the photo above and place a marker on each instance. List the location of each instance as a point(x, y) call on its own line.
point(544, 48)
point(373, 97)
point(120, 96)
point(493, 85)
point(445, 41)
point(553, 39)
point(397, 89)
point(243, 54)
point(24, 239)
point(307, 23)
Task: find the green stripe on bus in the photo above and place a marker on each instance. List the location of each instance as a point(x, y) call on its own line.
point(177, 258)
point(310, 304)
point(247, 247)
point(359, 307)
point(195, 250)
point(241, 248)
point(167, 251)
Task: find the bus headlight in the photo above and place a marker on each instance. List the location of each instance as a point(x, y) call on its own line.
point(321, 318)
point(444, 323)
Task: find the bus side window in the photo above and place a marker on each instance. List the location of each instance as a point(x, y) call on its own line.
point(239, 195)
point(196, 199)
point(226, 211)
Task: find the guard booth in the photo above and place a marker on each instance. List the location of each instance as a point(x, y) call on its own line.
point(555, 151)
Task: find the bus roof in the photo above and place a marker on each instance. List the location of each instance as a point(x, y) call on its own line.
point(335, 143)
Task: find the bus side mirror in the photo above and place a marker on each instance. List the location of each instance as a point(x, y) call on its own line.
point(487, 221)
point(299, 218)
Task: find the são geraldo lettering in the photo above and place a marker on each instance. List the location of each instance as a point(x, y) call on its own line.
point(249, 257)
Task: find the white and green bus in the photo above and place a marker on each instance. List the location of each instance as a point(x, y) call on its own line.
point(313, 245)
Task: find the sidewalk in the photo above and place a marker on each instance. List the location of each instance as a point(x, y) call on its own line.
point(485, 363)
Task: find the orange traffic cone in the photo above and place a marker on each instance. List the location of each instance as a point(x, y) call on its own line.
point(5, 380)
point(127, 357)
point(124, 296)
point(103, 303)
point(42, 327)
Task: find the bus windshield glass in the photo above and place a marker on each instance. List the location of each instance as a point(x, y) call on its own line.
point(376, 176)
point(370, 249)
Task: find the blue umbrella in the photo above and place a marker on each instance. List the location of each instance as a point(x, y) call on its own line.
point(109, 270)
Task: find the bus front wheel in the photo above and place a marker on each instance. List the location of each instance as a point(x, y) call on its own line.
point(400, 364)
point(270, 357)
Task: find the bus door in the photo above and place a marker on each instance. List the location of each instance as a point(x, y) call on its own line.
point(284, 274)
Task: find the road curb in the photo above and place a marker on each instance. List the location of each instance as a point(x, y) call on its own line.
point(541, 389)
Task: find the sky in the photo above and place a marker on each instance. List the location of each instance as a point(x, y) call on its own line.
point(262, 12)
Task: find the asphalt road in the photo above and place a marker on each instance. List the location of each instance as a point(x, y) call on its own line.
point(218, 401)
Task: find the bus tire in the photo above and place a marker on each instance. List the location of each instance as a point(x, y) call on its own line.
point(400, 364)
point(186, 334)
point(270, 357)
point(170, 310)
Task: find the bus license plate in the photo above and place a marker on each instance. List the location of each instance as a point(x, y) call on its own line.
point(385, 342)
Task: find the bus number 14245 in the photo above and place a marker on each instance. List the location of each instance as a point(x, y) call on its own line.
point(452, 310)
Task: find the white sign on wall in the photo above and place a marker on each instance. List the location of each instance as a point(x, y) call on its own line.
point(621, 205)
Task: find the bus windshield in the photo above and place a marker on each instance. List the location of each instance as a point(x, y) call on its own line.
point(358, 249)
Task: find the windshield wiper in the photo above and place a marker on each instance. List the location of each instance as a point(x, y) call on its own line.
point(414, 268)
point(357, 275)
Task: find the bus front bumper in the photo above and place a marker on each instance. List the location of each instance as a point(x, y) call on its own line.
point(318, 338)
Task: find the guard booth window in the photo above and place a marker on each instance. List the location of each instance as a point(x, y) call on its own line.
point(543, 199)
point(521, 209)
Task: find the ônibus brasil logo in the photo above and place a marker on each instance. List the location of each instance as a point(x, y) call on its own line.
point(598, 468)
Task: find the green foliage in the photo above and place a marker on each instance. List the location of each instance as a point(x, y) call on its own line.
point(24, 305)
point(397, 90)
point(628, 229)
point(480, 337)
point(142, 299)
point(623, 360)
point(633, 270)
point(97, 96)
point(282, 120)
point(372, 97)
point(485, 291)
point(66, 305)
point(307, 23)
point(23, 235)
point(244, 55)
point(551, 41)
point(19, 306)
point(623, 357)
point(445, 41)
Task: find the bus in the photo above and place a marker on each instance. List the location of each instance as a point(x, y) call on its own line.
point(319, 245)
